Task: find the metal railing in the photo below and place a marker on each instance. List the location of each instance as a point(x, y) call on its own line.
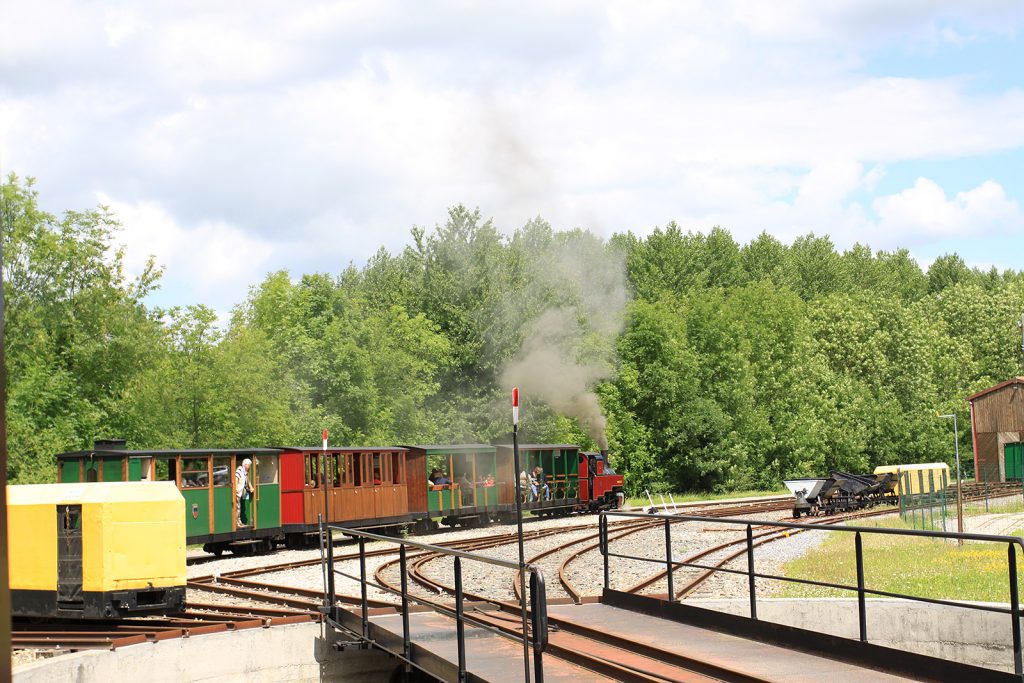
point(534, 616)
point(1012, 543)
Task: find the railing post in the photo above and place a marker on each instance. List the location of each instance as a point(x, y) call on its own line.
point(861, 605)
point(328, 595)
point(750, 572)
point(362, 584)
point(406, 640)
point(460, 625)
point(330, 562)
point(603, 531)
point(539, 623)
point(1011, 548)
point(668, 561)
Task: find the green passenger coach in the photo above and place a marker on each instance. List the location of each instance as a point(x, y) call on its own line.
point(206, 479)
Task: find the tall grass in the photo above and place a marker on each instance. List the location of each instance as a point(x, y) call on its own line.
point(920, 567)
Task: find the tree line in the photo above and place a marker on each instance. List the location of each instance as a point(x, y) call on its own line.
point(718, 366)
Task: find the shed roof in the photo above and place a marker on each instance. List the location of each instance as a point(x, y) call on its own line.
point(1001, 385)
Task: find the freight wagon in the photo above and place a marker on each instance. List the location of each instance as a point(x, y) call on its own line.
point(97, 551)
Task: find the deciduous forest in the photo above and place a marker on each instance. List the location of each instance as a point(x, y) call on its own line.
point(704, 363)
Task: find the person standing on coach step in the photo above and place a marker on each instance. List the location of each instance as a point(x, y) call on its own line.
point(242, 490)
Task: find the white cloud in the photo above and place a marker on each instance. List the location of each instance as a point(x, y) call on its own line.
point(306, 136)
point(212, 259)
point(924, 209)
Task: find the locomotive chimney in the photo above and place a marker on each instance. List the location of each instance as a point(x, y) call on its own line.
point(604, 454)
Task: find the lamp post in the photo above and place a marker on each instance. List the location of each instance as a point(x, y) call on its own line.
point(959, 498)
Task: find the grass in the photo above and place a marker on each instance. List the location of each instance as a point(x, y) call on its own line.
point(921, 567)
point(639, 501)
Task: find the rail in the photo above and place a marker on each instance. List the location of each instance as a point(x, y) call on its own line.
point(534, 617)
point(1012, 543)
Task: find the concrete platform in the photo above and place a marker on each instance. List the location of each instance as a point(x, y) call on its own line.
point(280, 654)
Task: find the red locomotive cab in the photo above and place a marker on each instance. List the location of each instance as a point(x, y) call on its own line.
point(600, 485)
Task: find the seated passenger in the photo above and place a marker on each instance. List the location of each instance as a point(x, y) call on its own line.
point(376, 478)
point(540, 483)
point(442, 479)
point(489, 480)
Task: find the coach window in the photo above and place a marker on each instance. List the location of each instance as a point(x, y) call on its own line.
point(357, 468)
point(195, 473)
point(312, 471)
point(332, 469)
point(266, 468)
point(344, 468)
point(396, 467)
point(222, 471)
point(165, 469)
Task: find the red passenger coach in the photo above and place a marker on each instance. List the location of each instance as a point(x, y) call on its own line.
point(365, 487)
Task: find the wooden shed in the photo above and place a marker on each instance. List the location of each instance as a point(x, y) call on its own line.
point(997, 426)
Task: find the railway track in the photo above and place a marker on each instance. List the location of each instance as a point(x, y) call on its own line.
point(596, 649)
point(199, 619)
point(261, 604)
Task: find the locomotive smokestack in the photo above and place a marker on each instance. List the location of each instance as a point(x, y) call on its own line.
point(604, 454)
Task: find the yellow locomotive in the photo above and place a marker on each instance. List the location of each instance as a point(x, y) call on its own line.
point(96, 551)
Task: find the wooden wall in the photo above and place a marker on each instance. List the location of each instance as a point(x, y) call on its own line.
point(998, 419)
point(1000, 411)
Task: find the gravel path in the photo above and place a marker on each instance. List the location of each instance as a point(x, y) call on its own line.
point(1000, 524)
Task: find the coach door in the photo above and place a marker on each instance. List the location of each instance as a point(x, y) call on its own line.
point(69, 558)
point(267, 482)
point(336, 480)
point(380, 472)
point(350, 497)
point(313, 491)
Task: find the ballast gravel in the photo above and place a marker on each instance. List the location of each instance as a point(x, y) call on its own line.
point(585, 572)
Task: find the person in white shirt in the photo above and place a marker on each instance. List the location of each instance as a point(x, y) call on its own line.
point(242, 489)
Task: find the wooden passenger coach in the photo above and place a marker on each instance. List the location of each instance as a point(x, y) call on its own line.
point(363, 487)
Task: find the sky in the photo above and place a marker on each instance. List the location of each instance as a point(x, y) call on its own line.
point(232, 139)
